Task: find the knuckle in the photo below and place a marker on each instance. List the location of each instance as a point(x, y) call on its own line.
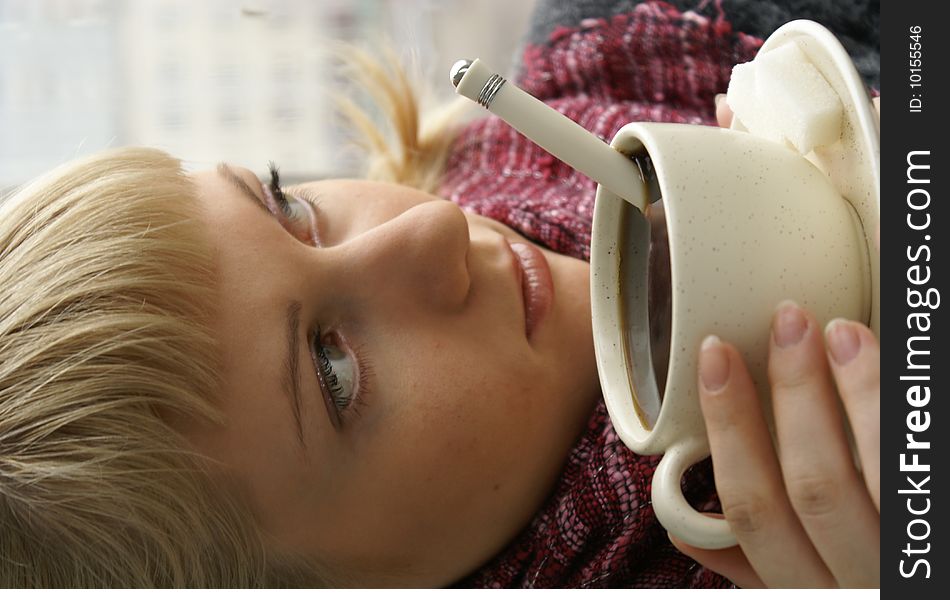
point(720, 419)
point(748, 516)
point(814, 495)
point(789, 386)
point(791, 377)
point(864, 384)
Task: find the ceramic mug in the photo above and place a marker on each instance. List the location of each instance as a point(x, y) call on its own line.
point(748, 223)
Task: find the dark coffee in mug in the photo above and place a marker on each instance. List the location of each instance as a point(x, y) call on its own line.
point(652, 288)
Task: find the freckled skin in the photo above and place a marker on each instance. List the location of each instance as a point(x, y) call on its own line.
point(463, 424)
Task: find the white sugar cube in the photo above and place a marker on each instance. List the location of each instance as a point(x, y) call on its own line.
point(805, 107)
point(782, 97)
point(743, 99)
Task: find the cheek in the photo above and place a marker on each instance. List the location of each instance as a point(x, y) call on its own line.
point(468, 418)
point(451, 452)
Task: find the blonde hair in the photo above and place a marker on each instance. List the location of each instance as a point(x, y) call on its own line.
point(105, 301)
point(106, 296)
point(412, 143)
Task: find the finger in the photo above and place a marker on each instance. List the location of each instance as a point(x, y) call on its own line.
point(723, 112)
point(877, 104)
point(856, 365)
point(731, 563)
point(824, 487)
point(748, 477)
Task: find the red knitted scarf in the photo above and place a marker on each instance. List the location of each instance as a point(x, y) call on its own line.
point(597, 529)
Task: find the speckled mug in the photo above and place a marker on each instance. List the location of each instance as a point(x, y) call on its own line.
point(749, 224)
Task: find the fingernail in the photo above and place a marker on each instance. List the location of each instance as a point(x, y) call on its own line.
point(843, 341)
point(789, 325)
point(713, 364)
point(718, 98)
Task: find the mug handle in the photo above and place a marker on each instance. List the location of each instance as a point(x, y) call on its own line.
point(672, 509)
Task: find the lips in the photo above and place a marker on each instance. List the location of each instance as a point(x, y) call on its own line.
point(537, 288)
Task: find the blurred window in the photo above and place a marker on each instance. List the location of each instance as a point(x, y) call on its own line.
point(242, 81)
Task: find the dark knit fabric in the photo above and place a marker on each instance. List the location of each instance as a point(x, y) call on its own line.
point(642, 61)
point(856, 23)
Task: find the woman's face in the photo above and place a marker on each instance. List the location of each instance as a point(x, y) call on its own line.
point(394, 410)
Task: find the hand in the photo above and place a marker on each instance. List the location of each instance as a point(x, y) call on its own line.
point(809, 518)
point(723, 111)
point(803, 514)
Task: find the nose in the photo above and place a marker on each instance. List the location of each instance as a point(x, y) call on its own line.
point(419, 258)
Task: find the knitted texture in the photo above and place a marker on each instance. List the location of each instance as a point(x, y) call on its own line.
point(654, 63)
point(856, 23)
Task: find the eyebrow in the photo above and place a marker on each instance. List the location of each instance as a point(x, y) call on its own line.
point(291, 376)
point(234, 179)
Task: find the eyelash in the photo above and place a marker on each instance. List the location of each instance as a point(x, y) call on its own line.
point(344, 407)
point(278, 192)
point(287, 212)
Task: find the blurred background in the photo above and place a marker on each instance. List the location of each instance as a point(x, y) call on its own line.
point(240, 81)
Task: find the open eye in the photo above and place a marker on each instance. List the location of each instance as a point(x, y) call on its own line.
point(296, 212)
point(336, 372)
point(299, 218)
point(342, 369)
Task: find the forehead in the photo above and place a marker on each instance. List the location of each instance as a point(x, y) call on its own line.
point(245, 243)
point(249, 321)
point(220, 198)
